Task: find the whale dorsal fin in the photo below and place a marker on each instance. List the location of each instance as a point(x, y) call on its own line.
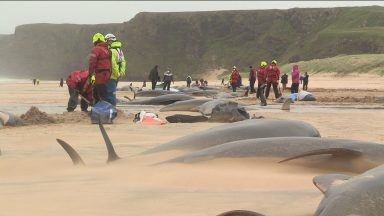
point(337, 152)
point(287, 104)
point(324, 182)
point(76, 159)
point(240, 213)
point(128, 98)
point(112, 156)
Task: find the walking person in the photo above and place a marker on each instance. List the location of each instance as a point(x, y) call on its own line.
point(100, 66)
point(167, 79)
point(305, 81)
point(235, 76)
point(252, 78)
point(284, 81)
point(295, 79)
point(61, 82)
point(189, 81)
point(273, 76)
point(117, 67)
point(261, 84)
point(261, 78)
point(154, 76)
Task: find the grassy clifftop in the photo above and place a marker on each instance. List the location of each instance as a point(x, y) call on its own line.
point(194, 42)
point(342, 65)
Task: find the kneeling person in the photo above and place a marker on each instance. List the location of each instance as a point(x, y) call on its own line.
point(77, 83)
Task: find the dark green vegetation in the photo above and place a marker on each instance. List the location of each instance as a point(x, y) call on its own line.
point(194, 42)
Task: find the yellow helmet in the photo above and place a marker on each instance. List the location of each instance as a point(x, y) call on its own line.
point(98, 37)
point(93, 79)
point(274, 62)
point(263, 64)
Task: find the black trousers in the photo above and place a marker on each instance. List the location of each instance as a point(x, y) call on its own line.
point(167, 84)
point(305, 85)
point(252, 84)
point(275, 89)
point(260, 92)
point(74, 100)
point(188, 84)
point(99, 92)
point(154, 82)
point(295, 88)
point(233, 87)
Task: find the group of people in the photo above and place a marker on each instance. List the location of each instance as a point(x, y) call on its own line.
point(106, 65)
point(296, 80)
point(35, 81)
point(154, 77)
point(267, 76)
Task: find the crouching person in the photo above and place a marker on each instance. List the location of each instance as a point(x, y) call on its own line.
point(79, 85)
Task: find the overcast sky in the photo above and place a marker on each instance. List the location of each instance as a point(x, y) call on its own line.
point(87, 12)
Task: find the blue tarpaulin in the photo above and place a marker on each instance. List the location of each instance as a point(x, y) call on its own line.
point(105, 111)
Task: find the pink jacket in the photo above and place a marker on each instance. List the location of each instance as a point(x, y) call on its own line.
point(295, 74)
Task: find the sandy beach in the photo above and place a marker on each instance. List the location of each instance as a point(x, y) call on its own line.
point(38, 178)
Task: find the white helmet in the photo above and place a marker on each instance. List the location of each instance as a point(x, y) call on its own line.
point(110, 36)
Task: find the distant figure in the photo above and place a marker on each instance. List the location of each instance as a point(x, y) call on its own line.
point(189, 81)
point(295, 79)
point(239, 81)
point(168, 78)
point(273, 76)
point(34, 81)
point(201, 82)
point(222, 81)
point(205, 83)
point(61, 82)
point(154, 76)
point(284, 81)
point(235, 75)
point(305, 81)
point(144, 84)
point(301, 79)
point(197, 83)
point(252, 79)
point(37, 81)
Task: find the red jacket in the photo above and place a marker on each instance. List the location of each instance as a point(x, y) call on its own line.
point(252, 73)
point(273, 74)
point(235, 76)
point(77, 79)
point(100, 63)
point(262, 75)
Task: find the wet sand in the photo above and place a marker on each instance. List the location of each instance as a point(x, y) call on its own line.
point(38, 178)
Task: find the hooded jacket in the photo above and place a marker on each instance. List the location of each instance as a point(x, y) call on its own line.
point(168, 76)
point(100, 63)
point(117, 61)
point(295, 74)
point(273, 73)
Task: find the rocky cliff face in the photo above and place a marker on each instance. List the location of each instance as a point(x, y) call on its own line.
point(193, 42)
